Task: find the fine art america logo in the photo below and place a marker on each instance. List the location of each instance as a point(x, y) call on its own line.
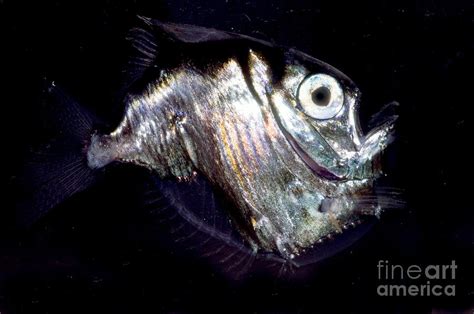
point(415, 280)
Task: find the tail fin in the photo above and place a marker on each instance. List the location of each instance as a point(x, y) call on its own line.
point(59, 169)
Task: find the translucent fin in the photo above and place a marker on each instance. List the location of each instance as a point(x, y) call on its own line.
point(185, 33)
point(143, 51)
point(57, 170)
point(189, 33)
point(154, 43)
point(196, 219)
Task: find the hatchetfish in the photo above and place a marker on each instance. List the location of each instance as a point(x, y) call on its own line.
point(275, 130)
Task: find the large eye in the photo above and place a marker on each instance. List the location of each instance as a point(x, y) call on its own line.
point(321, 96)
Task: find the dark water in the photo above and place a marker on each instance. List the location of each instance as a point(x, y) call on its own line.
point(98, 253)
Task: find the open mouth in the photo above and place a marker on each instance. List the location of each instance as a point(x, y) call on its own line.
point(362, 167)
point(319, 156)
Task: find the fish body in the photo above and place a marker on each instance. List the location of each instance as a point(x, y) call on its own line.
point(273, 128)
point(266, 138)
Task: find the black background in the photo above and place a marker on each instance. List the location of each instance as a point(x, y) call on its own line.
point(96, 252)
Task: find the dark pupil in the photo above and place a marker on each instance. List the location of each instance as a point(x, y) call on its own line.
point(321, 96)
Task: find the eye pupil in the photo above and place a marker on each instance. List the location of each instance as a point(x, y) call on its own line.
point(321, 96)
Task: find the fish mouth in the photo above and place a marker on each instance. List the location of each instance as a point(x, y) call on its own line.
point(361, 167)
point(316, 152)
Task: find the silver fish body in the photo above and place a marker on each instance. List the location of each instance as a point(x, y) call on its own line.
point(230, 108)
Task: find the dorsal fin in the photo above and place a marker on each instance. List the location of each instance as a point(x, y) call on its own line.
point(150, 38)
point(147, 37)
point(188, 33)
point(144, 51)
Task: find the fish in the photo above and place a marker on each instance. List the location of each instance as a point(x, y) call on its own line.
point(271, 128)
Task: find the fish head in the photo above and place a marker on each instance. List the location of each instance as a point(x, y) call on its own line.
point(316, 109)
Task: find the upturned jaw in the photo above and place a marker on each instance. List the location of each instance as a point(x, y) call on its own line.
point(320, 157)
point(374, 143)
